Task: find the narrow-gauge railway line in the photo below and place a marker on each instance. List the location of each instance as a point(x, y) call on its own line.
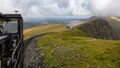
point(32, 55)
point(27, 41)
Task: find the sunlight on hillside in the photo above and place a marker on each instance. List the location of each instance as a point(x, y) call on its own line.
point(115, 18)
point(44, 29)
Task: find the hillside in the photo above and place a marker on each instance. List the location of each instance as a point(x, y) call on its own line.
point(77, 48)
point(115, 24)
point(67, 50)
point(99, 28)
point(44, 29)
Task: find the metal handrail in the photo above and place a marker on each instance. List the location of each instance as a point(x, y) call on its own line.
point(3, 38)
point(18, 57)
point(16, 49)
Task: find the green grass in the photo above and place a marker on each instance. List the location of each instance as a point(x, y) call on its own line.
point(74, 49)
point(44, 29)
point(73, 32)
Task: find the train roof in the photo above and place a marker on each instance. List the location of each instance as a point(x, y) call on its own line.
point(10, 15)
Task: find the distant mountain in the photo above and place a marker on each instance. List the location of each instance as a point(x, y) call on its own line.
point(32, 24)
point(12, 27)
point(58, 19)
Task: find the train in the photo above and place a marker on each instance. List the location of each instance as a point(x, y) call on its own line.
point(11, 41)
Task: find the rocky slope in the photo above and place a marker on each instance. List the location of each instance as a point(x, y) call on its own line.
point(99, 28)
point(114, 23)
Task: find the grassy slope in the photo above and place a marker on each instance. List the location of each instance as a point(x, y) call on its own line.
point(44, 29)
point(74, 49)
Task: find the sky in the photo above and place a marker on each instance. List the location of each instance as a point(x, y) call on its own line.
point(38, 8)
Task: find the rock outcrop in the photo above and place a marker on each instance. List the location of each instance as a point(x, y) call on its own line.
point(99, 28)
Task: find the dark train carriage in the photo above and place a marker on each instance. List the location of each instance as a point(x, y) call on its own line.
point(11, 41)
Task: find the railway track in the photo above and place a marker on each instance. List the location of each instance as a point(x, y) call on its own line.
point(27, 41)
point(32, 52)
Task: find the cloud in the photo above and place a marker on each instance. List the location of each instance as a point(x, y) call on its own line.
point(105, 7)
point(33, 8)
point(58, 8)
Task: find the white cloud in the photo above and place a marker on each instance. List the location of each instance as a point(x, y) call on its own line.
point(105, 7)
point(61, 7)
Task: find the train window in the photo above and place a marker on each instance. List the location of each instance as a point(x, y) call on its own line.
point(10, 27)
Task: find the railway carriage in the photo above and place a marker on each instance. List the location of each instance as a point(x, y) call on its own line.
point(11, 41)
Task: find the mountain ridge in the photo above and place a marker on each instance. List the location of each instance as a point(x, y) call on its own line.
point(99, 28)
